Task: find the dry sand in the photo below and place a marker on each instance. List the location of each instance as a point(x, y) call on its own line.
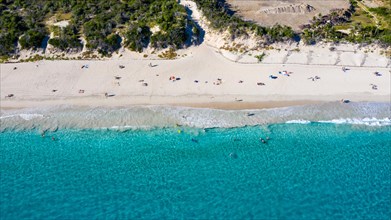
point(48, 83)
point(285, 12)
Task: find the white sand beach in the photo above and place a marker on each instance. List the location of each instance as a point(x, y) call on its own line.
point(208, 75)
point(47, 83)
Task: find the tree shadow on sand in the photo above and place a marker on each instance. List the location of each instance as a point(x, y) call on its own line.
point(195, 33)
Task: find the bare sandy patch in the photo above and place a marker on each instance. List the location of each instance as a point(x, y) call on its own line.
point(291, 13)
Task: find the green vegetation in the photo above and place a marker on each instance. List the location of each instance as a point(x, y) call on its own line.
point(359, 25)
point(104, 24)
point(33, 38)
point(221, 18)
point(137, 37)
point(384, 14)
point(136, 24)
point(11, 27)
point(169, 54)
point(66, 38)
point(260, 57)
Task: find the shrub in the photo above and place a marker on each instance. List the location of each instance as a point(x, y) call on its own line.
point(260, 57)
point(137, 37)
point(32, 39)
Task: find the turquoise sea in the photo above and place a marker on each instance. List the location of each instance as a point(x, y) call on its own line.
point(335, 169)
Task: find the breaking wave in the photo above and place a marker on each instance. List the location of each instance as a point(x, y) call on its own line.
point(358, 121)
point(149, 117)
point(352, 121)
point(298, 122)
point(26, 117)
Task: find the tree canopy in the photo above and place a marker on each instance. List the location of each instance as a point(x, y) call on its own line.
point(105, 25)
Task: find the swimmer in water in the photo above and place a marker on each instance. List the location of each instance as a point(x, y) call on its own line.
point(53, 138)
point(263, 141)
point(233, 155)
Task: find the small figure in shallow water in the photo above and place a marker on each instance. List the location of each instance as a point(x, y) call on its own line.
point(233, 155)
point(53, 138)
point(194, 140)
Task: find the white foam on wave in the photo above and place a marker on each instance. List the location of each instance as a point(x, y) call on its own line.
point(128, 127)
point(352, 121)
point(358, 121)
point(7, 116)
point(298, 122)
point(150, 117)
point(26, 117)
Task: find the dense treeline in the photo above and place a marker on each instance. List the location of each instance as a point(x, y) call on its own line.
point(66, 38)
point(105, 25)
point(11, 27)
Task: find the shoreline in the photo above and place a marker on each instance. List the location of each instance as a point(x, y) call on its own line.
point(157, 116)
point(196, 102)
point(15, 105)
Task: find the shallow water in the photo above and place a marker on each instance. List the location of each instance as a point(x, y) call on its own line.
point(305, 171)
point(148, 117)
